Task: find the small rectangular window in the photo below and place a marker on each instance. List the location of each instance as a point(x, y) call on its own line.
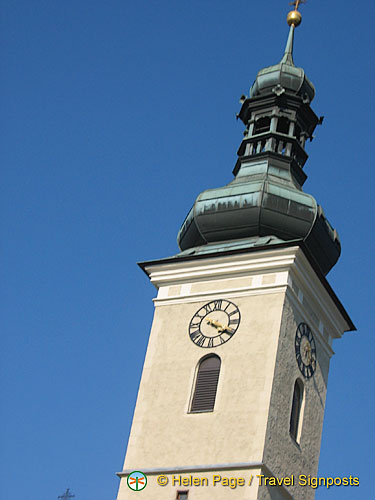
point(182, 495)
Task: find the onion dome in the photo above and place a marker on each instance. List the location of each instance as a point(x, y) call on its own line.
point(264, 205)
point(284, 77)
point(261, 206)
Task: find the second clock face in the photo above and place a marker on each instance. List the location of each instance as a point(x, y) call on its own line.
point(214, 323)
point(305, 348)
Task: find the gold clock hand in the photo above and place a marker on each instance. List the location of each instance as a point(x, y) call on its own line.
point(228, 329)
point(215, 324)
point(219, 327)
point(308, 353)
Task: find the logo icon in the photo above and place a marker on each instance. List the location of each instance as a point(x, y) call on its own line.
point(137, 481)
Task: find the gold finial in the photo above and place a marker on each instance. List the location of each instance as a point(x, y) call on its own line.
point(294, 17)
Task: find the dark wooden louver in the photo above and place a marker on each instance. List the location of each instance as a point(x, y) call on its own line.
point(206, 384)
point(296, 409)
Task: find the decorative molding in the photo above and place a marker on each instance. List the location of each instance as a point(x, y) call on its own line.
point(267, 271)
point(224, 293)
point(220, 267)
point(196, 468)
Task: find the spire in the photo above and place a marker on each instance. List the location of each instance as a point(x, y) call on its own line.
point(288, 54)
point(294, 19)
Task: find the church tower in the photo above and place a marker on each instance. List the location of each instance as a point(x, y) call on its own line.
point(232, 395)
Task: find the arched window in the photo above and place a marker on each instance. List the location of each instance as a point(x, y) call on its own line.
point(283, 125)
point(295, 415)
point(262, 125)
point(206, 384)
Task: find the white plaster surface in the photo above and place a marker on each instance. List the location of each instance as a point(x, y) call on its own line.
point(250, 421)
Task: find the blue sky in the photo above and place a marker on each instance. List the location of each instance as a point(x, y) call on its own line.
point(114, 116)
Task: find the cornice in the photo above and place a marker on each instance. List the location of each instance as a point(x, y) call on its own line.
point(290, 264)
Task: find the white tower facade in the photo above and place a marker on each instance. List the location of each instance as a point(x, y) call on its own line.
point(247, 434)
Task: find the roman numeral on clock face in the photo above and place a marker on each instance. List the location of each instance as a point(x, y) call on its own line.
point(200, 341)
point(208, 307)
point(217, 305)
point(198, 338)
point(195, 335)
point(195, 323)
point(304, 329)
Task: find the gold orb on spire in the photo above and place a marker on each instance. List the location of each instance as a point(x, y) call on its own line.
point(294, 18)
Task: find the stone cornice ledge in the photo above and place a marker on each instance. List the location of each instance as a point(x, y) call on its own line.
point(197, 468)
point(234, 264)
point(163, 274)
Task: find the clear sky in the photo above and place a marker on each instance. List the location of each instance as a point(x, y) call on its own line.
point(115, 115)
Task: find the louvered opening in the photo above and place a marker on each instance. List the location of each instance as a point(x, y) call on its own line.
point(206, 385)
point(296, 409)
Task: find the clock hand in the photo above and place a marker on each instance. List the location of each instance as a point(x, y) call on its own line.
point(219, 327)
point(214, 323)
point(308, 353)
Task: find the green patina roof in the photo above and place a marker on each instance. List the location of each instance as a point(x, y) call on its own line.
point(264, 204)
point(284, 76)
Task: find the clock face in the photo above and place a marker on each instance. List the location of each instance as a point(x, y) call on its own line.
point(214, 323)
point(304, 344)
